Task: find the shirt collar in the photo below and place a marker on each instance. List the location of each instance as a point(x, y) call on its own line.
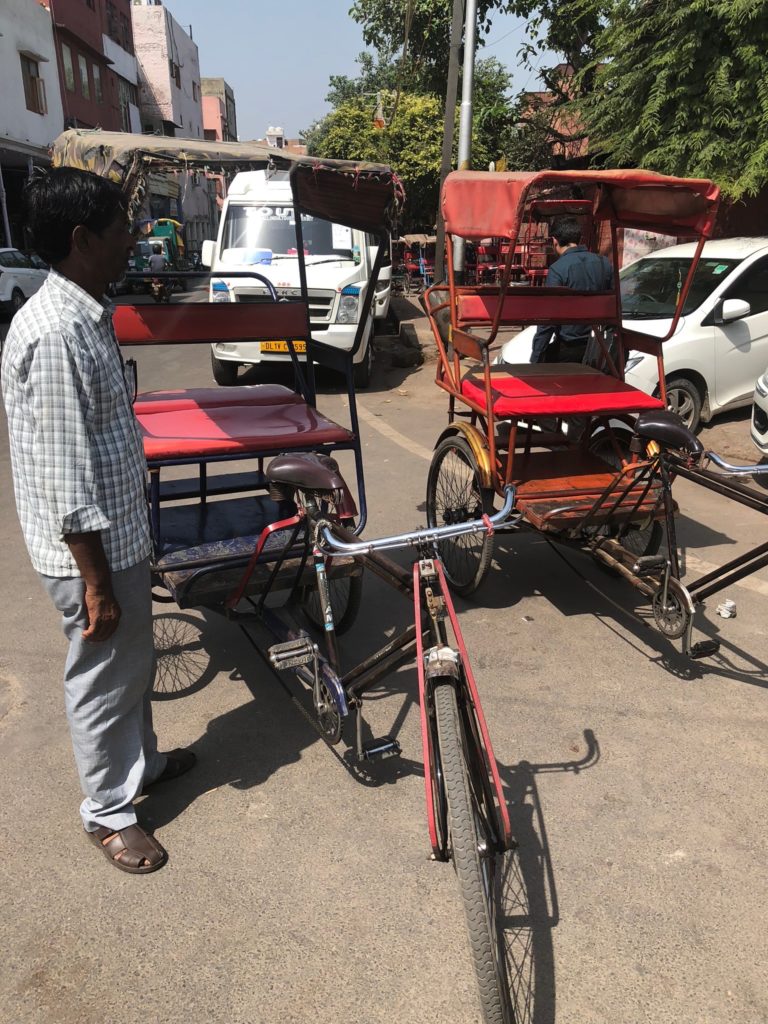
point(95, 309)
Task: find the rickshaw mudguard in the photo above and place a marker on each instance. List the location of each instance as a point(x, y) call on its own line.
point(476, 441)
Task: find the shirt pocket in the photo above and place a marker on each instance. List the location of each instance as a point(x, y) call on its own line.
point(111, 399)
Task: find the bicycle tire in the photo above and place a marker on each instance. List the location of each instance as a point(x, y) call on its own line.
point(346, 596)
point(477, 888)
point(455, 494)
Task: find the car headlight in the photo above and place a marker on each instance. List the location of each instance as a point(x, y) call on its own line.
point(349, 306)
point(762, 385)
point(632, 362)
point(220, 292)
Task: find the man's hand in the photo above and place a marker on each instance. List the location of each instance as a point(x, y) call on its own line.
point(100, 602)
point(103, 614)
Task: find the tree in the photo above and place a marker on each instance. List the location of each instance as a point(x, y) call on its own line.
point(386, 25)
point(683, 88)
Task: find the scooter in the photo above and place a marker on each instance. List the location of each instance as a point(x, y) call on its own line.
point(160, 290)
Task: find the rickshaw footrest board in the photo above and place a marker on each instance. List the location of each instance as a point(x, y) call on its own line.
point(563, 513)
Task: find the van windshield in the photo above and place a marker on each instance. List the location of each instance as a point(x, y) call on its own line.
point(254, 234)
point(650, 287)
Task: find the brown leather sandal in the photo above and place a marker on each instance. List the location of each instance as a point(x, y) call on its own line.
point(129, 849)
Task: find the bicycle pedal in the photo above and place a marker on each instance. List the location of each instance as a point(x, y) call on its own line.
point(374, 750)
point(704, 649)
point(649, 565)
point(292, 653)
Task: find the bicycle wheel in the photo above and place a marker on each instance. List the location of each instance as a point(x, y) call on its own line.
point(346, 593)
point(474, 849)
point(455, 495)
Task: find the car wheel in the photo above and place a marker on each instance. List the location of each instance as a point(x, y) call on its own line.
point(17, 300)
point(362, 371)
point(684, 398)
point(224, 373)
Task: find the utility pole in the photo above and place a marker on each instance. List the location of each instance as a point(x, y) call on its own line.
point(457, 24)
point(465, 117)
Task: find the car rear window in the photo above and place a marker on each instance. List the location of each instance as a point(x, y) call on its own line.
point(651, 287)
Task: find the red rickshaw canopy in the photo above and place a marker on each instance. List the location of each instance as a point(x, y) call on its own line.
point(477, 204)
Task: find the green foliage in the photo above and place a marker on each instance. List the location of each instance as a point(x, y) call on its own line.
point(429, 30)
point(683, 88)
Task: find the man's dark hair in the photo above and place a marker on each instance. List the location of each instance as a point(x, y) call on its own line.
point(58, 200)
point(567, 230)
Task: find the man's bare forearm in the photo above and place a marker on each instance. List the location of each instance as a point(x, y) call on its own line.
point(88, 552)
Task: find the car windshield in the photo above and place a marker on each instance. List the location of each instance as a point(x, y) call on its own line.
point(650, 288)
point(254, 234)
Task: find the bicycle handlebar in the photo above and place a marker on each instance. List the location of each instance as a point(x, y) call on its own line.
point(736, 470)
point(330, 544)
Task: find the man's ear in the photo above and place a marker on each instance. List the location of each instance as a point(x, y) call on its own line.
point(80, 239)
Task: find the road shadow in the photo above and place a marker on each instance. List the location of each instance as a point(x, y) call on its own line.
point(528, 908)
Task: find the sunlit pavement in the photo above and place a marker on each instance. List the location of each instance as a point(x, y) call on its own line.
point(297, 891)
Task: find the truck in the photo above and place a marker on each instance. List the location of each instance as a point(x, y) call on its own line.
point(257, 232)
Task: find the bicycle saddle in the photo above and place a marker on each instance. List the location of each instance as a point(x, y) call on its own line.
point(668, 429)
point(306, 471)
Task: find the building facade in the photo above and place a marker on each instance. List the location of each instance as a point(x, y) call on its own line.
point(31, 113)
point(123, 75)
point(170, 95)
point(217, 88)
point(170, 102)
point(83, 67)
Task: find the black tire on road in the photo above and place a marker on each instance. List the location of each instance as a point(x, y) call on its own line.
point(475, 870)
point(361, 372)
point(17, 300)
point(684, 398)
point(346, 594)
point(224, 373)
point(455, 495)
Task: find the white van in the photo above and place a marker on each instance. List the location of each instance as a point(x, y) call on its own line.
point(258, 232)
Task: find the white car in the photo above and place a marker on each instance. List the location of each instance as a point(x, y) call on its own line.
point(721, 342)
point(20, 277)
point(760, 414)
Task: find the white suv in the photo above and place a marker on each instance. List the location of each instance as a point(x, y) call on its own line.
point(19, 278)
point(721, 343)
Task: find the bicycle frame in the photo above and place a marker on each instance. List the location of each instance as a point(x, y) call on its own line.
point(295, 650)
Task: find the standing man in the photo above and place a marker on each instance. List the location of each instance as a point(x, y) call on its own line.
point(79, 473)
point(576, 267)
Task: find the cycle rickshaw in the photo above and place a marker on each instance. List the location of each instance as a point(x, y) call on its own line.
point(609, 489)
point(281, 520)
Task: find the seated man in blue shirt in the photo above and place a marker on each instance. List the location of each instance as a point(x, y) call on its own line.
point(576, 267)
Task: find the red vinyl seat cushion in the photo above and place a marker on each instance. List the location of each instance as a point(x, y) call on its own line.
point(595, 394)
point(199, 432)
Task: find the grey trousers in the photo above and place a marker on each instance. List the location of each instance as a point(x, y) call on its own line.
point(107, 690)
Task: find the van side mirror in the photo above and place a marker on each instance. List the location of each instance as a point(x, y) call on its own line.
point(206, 253)
point(734, 309)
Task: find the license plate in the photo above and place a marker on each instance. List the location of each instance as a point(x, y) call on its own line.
point(282, 346)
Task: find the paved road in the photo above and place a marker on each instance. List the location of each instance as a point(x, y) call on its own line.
point(297, 892)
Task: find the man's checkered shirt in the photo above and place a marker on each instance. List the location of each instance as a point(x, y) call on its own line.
point(76, 451)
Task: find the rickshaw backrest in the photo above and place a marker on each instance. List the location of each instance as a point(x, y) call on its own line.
point(198, 322)
point(525, 305)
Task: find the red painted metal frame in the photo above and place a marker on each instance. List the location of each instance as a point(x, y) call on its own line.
point(476, 708)
point(281, 524)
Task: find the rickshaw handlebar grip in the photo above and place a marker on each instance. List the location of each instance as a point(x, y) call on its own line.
point(328, 543)
point(759, 470)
